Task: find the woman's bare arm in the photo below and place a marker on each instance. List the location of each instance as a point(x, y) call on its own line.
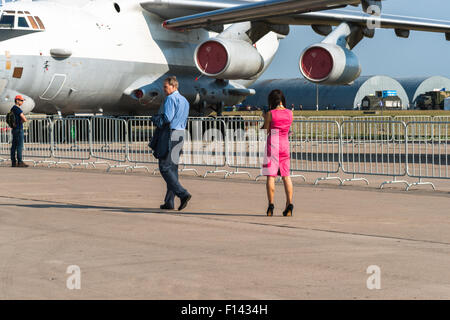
point(267, 120)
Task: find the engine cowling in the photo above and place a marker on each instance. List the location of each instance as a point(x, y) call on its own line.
point(327, 63)
point(228, 59)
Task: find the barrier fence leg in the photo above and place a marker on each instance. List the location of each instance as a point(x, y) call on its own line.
point(355, 179)
point(420, 183)
point(63, 162)
point(298, 176)
point(49, 162)
point(30, 160)
point(236, 172)
point(79, 164)
point(394, 181)
point(327, 178)
point(136, 166)
point(188, 169)
point(216, 170)
point(118, 165)
point(93, 163)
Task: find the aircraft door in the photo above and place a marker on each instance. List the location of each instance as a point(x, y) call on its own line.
point(54, 88)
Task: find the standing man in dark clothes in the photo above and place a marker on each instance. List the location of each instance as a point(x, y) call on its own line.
point(17, 132)
point(176, 110)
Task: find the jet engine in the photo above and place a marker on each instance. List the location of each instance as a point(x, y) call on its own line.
point(326, 63)
point(7, 101)
point(222, 58)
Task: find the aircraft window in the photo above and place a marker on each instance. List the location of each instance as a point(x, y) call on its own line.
point(33, 23)
point(23, 23)
point(11, 12)
point(7, 22)
point(27, 12)
point(20, 12)
point(39, 21)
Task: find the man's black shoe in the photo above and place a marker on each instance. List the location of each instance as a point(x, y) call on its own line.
point(22, 165)
point(13, 164)
point(184, 202)
point(165, 207)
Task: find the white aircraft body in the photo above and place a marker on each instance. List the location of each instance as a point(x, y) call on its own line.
point(111, 57)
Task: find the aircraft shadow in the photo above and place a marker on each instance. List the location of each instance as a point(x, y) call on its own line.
point(127, 210)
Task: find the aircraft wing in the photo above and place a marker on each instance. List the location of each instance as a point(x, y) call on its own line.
point(169, 9)
point(269, 12)
point(335, 17)
point(258, 10)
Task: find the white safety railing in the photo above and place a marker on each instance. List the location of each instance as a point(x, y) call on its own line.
point(5, 140)
point(204, 145)
point(338, 119)
point(141, 131)
point(315, 148)
point(428, 158)
point(72, 141)
point(362, 147)
point(109, 142)
point(37, 140)
point(373, 148)
point(245, 145)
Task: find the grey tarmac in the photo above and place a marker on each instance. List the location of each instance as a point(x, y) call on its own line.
point(222, 246)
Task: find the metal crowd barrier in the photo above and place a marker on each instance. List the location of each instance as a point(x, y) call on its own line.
point(5, 140)
point(72, 141)
point(315, 148)
point(428, 159)
point(338, 119)
point(204, 145)
point(141, 131)
point(37, 140)
point(374, 148)
point(109, 142)
point(245, 145)
point(361, 147)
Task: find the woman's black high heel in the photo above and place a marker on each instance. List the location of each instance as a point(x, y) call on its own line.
point(270, 210)
point(289, 210)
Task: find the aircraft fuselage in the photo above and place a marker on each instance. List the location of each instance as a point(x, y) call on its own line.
point(89, 59)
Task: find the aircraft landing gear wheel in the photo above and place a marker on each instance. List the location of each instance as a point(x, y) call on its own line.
point(219, 108)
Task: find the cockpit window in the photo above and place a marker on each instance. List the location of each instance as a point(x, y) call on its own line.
point(7, 21)
point(33, 23)
point(21, 20)
point(38, 20)
point(22, 23)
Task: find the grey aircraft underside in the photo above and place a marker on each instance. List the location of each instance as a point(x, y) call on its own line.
point(111, 57)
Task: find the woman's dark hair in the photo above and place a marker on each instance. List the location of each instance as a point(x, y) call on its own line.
point(275, 97)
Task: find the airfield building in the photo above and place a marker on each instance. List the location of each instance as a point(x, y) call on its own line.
point(300, 92)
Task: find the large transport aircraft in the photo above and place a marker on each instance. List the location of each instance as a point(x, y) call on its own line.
point(111, 56)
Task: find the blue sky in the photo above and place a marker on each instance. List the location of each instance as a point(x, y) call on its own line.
point(423, 54)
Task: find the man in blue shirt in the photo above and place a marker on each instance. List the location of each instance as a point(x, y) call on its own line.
point(17, 133)
point(176, 110)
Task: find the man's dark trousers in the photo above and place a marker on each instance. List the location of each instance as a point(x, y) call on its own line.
point(168, 167)
point(17, 145)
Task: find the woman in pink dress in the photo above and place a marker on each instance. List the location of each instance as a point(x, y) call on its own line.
point(277, 122)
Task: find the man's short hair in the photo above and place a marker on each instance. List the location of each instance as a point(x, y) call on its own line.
point(172, 80)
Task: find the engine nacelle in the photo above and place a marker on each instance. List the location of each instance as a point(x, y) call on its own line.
point(228, 59)
point(7, 101)
point(327, 63)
